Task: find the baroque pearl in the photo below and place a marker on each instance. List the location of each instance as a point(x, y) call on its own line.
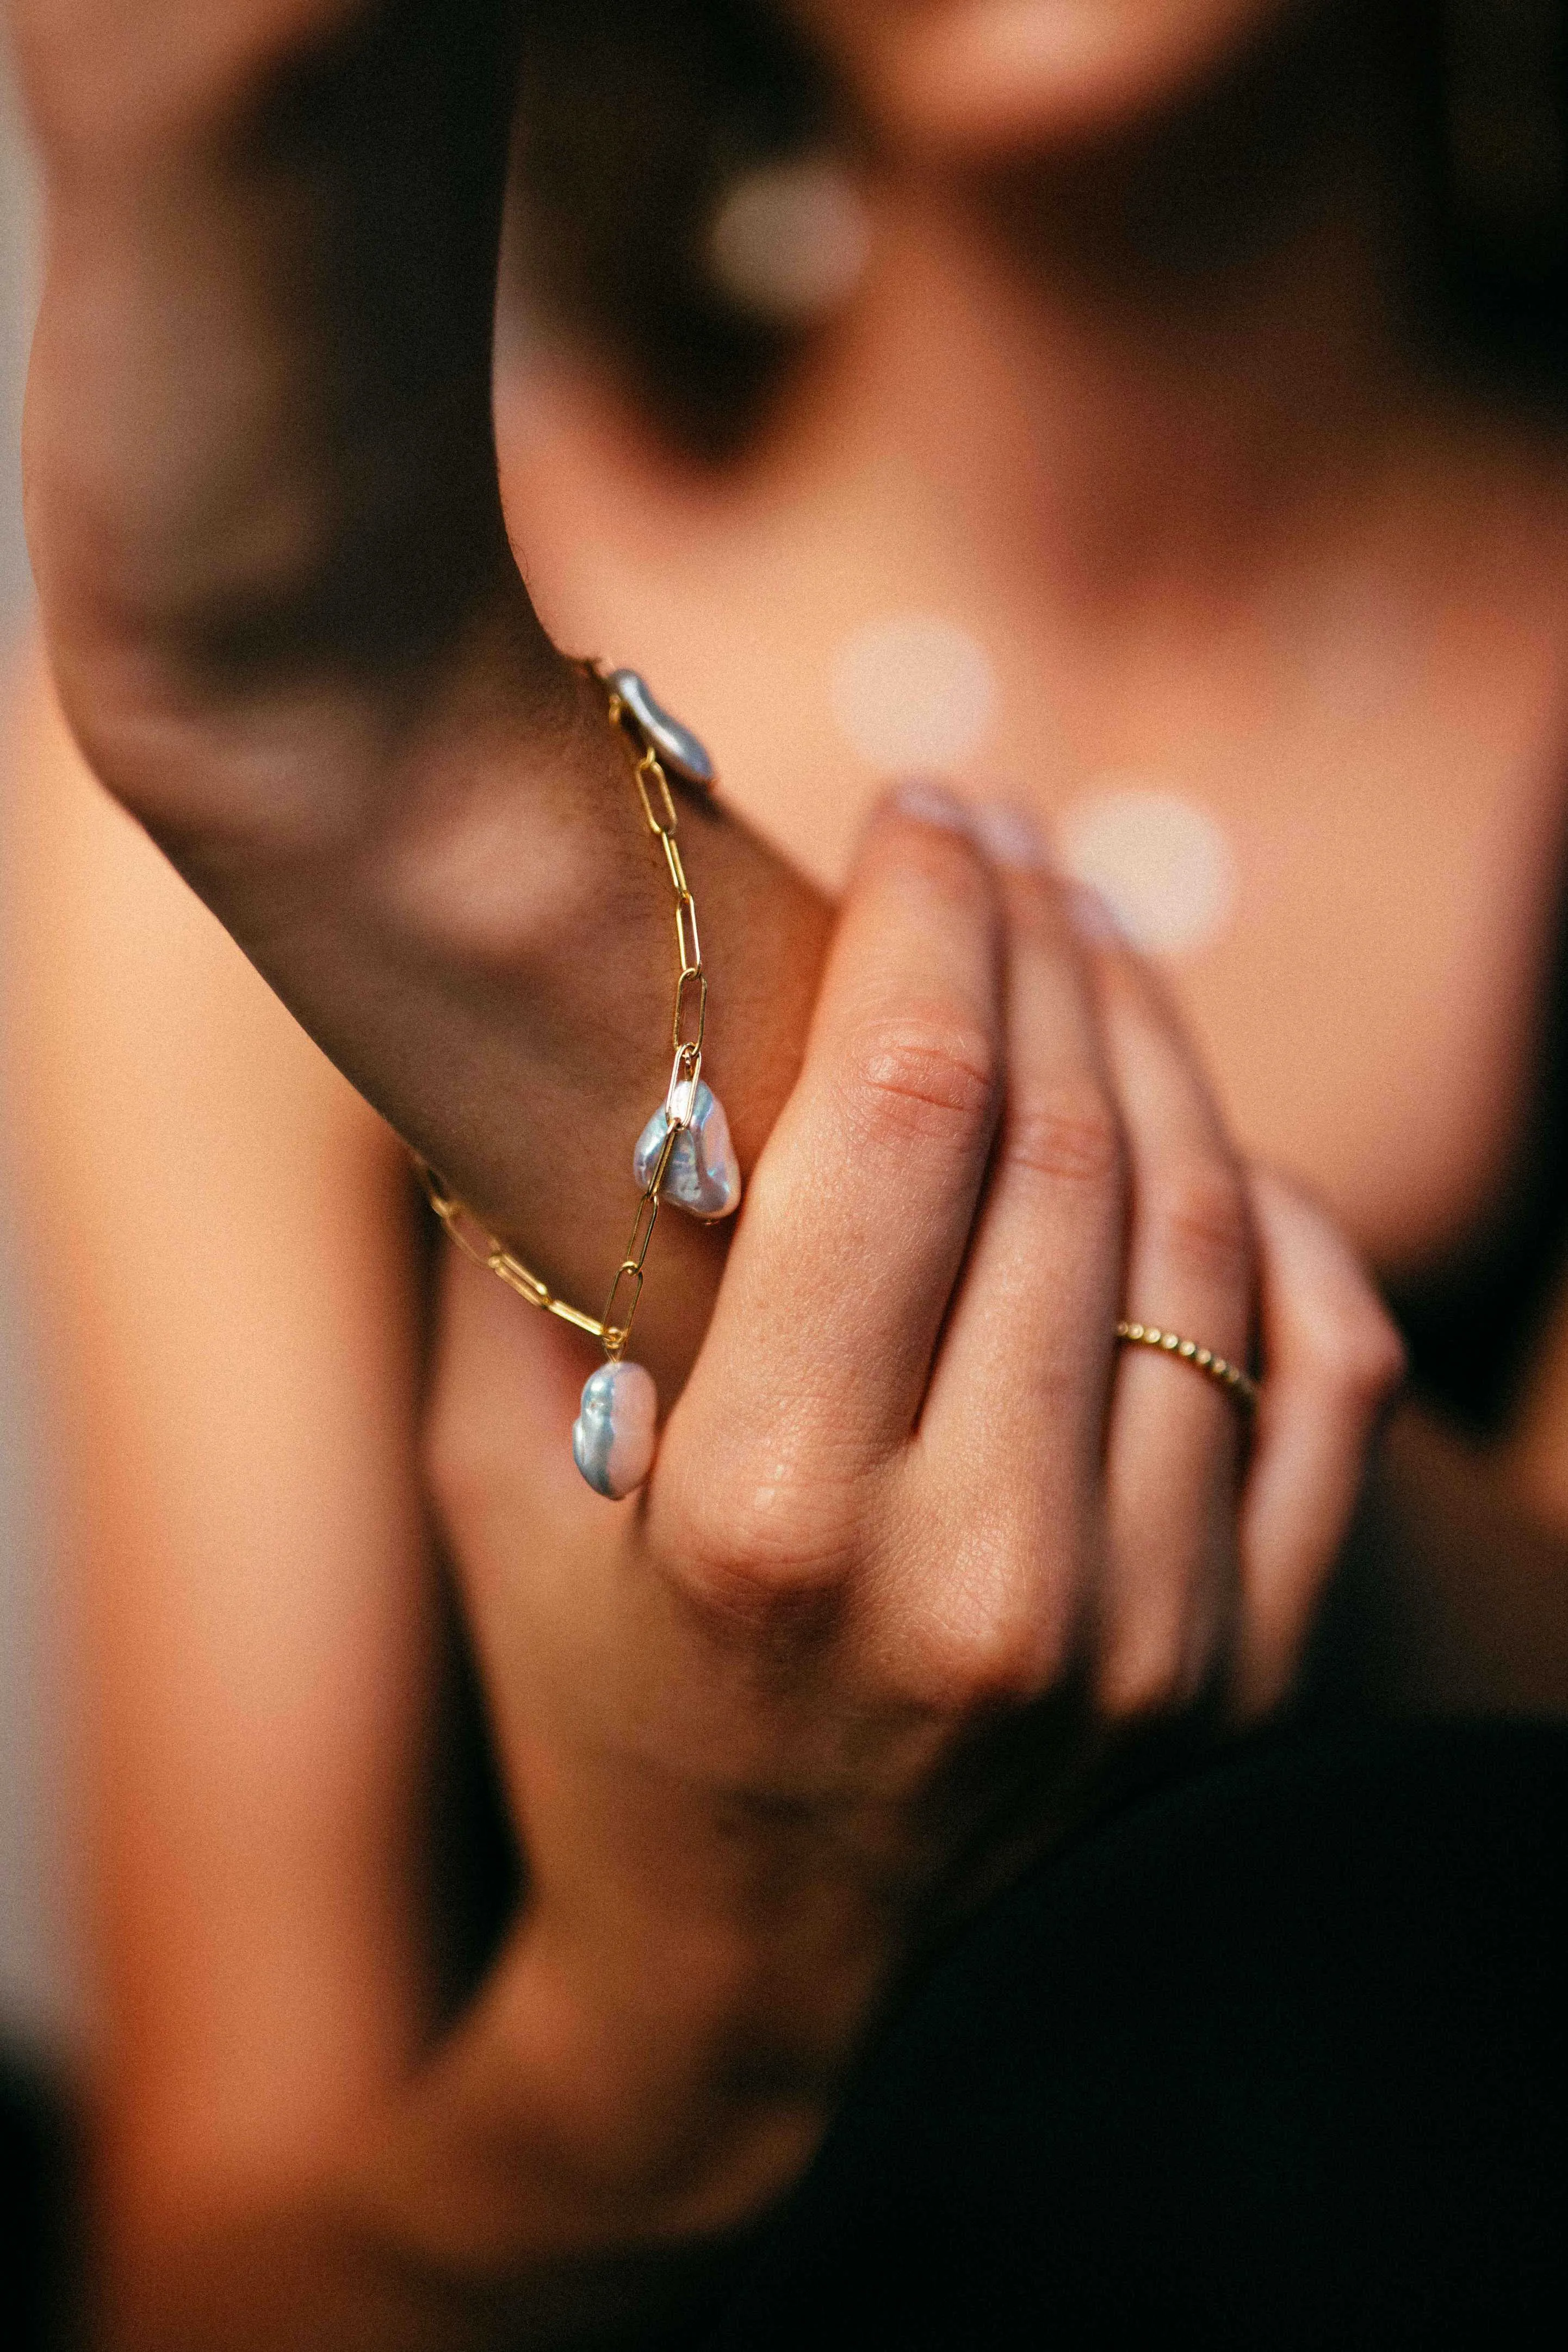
point(615, 1432)
point(676, 746)
point(704, 1174)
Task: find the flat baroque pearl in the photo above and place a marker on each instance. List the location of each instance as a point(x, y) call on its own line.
point(615, 1433)
point(676, 746)
point(704, 1174)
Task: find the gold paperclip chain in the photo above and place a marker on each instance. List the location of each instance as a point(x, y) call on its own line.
point(614, 1327)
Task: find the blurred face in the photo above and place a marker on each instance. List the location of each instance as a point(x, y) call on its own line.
point(977, 77)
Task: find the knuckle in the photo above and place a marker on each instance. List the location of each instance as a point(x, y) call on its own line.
point(1068, 1134)
point(1363, 1357)
point(1200, 1212)
point(983, 1667)
point(1143, 1681)
point(1155, 1643)
point(924, 1076)
point(762, 1556)
point(997, 1636)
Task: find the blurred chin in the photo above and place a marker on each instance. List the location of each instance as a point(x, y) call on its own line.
point(977, 77)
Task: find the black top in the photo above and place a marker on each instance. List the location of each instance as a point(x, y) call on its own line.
point(1471, 1325)
point(1277, 2059)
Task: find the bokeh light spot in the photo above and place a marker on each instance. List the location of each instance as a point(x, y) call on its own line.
point(1162, 863)
point(913, 693)
point(789, 240)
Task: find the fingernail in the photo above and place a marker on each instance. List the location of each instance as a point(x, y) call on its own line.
point(930, 803)
point(1011, 836)
point(1093, 917)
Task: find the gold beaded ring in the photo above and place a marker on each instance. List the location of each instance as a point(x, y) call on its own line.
point(1238, 1385)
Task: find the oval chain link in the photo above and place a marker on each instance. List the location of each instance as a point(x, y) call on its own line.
point(687, 1028)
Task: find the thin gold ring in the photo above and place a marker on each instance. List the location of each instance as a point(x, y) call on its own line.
point(1237, 1384)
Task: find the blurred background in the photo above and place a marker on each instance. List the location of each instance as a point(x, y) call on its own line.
point(34, 2006)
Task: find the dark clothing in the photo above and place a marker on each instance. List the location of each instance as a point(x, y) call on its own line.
point(1472, 1324)
point(1279, 2058)
point(37, 2222)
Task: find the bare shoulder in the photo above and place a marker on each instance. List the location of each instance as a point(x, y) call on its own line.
point(218, 1248)
point(193, 1173)
point(130, 987)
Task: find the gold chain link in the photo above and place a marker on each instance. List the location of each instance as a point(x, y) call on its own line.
point(688, 1027)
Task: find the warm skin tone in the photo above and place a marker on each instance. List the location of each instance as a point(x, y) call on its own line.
point(1230, 527)
point(393, 823)
point(886, 1613)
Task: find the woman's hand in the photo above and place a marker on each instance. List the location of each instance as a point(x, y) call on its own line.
point(921, 1555)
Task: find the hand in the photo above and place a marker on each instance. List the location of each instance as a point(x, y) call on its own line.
point(287, 626)
point(922, 1551)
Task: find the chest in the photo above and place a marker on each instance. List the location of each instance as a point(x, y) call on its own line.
point(1338, 805)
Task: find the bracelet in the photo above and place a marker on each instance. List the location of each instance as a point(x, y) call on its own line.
point(684, 1154)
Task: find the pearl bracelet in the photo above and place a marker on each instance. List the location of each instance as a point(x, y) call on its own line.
point(684, 1154)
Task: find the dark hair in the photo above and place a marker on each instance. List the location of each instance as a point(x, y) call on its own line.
point(1499, 122)
point(637, 114)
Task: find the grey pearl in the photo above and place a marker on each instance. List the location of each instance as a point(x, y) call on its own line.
point(704, 1174)
point(676, 746)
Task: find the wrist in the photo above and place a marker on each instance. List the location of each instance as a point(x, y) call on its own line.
point(664, 2046)
point(565, 2125)
point(723, 1980)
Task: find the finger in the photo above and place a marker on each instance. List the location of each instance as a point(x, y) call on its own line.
point(1014, 1427)
point(859, 1208)
point(1332, 1360)
point(1175, 1437)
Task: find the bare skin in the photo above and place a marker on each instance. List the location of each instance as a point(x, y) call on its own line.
point(1232, 529)
point(433, 781)
point(391, 820)
point(845, 1666)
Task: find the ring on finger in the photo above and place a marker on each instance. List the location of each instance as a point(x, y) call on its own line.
point(1239, 1386)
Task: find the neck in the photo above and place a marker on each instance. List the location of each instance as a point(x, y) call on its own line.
point(1180, 341)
